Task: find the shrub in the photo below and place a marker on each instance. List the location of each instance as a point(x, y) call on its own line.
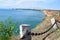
point(6, 29)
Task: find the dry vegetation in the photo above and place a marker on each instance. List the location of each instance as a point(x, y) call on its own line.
point(44, 26)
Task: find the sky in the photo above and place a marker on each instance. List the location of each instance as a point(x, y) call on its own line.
point(31, 4)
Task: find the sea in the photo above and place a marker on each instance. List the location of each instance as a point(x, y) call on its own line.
point(23, 16)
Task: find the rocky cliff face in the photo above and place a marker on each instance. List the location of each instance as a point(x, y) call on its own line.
point(51, 12)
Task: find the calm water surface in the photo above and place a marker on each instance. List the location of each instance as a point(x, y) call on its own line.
point(31, 17)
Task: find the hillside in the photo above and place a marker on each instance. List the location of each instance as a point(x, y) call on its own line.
point(53, 34)
point(46, 23)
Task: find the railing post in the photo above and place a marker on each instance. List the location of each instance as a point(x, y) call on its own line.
point(24, 30)
point(54, 21)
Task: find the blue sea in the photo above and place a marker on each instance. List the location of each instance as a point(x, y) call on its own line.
point(32, 17)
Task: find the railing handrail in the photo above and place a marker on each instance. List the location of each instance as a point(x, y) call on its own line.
point(41, 33)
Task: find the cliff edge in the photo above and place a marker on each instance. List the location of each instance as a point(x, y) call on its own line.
point(51, 12)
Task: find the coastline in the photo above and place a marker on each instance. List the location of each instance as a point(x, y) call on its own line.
point(45, 24)
point(41, 27)
point(48, 15)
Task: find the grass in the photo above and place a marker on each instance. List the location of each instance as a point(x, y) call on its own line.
point(57, 35)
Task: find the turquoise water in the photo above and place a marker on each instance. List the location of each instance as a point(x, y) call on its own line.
point(32, 17)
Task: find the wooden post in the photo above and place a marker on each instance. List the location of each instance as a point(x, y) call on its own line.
point(24, 30)
point(53, 21)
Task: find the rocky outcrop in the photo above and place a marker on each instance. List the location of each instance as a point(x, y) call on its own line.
point(51, 12)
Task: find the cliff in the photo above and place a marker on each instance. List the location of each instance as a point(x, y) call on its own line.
point(51, 12)
point(45, 24)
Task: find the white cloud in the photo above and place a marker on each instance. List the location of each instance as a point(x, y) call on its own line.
point(39, 0)
point(21, 3)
